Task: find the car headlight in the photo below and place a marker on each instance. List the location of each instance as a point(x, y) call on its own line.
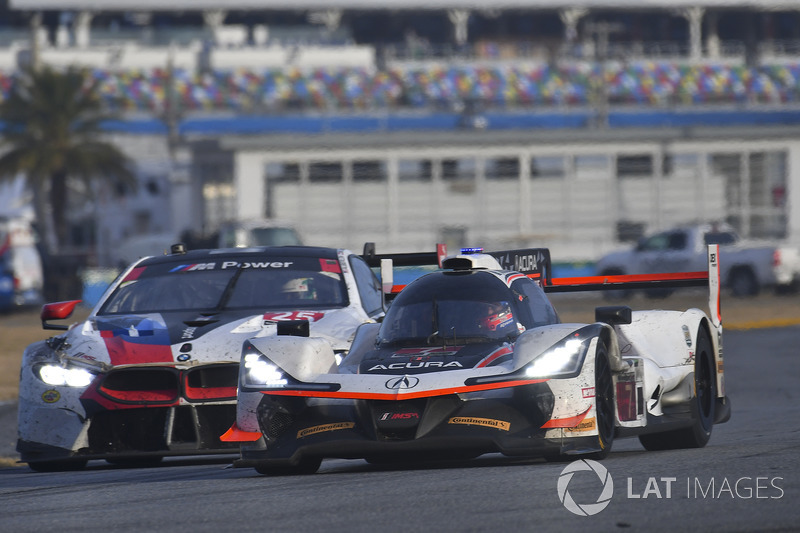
point(562, 360)
point(260, 372)
point(56, 375)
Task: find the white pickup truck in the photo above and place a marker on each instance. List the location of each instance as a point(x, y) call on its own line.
point(746, 267)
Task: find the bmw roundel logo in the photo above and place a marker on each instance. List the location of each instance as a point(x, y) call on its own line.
point(403, 382)
point(184, 357)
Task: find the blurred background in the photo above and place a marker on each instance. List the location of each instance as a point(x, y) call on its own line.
point(577, 126)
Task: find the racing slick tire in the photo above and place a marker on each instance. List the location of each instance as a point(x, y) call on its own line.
point(57, 466)
point(305, 467)
point(604, 408)
point(604, 401)
point(703, 405)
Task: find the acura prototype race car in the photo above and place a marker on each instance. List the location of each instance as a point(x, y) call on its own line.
point(153, 370)
point(473, 359)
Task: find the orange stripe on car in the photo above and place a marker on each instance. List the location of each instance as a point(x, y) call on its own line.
point(569, 422)
point(401, 395)
point(628, 278)
point(234, 434)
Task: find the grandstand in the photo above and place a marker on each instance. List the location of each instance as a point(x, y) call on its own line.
point(410, 122)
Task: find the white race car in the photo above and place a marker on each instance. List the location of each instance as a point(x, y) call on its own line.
point(153, 370)
point(473, 359)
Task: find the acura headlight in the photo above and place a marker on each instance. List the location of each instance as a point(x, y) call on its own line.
point(562, 360)
point(56, 375)
point(260, 372)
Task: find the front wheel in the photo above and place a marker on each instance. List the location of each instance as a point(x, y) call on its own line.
point(604, 401)
point(604, 408)
point(702, 406)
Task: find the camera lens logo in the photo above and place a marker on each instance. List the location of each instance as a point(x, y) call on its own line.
point(586, 509)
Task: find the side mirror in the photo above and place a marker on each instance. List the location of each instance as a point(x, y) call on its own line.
point(613, 314)
point(57, 311)
point(296, 328)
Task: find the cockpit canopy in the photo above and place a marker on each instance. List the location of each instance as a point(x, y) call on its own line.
point(465, 307)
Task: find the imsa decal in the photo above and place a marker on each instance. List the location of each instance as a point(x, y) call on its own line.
point(323, 428)
point(486, 422)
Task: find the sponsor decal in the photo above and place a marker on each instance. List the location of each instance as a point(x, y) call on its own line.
point(311, 316)
point(399, 416)
point(194, 267)
point(81, 355)
point(342, 261)
point(486, 422)
point(256, 264)
point(51, 396)
point(687, 335)
point(416, 364)
point(588, 424)
point(719, 367)
point(188, 333)
point(323, 428)
point(587, 392)
point(403, 382)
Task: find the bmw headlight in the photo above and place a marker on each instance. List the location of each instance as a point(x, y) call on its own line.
point(562, 360)
point(56, 375)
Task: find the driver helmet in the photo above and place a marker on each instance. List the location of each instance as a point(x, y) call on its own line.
point(497, 317)
point(299, 288)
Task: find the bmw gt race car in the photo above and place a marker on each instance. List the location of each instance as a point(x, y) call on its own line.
point(473, 359)
point(153, 370)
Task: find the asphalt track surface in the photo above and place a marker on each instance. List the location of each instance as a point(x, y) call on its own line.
point(746, 479)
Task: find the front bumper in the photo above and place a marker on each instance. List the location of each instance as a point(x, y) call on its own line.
point(129, 433)
point(128, 413)
point(508, 421)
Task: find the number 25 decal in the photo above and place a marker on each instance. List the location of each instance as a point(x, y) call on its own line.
point(311, 316)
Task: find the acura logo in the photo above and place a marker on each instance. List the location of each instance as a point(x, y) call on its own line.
point(405, 382)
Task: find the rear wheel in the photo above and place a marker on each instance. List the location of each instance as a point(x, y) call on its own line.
point(703, 405)
point(306, 466)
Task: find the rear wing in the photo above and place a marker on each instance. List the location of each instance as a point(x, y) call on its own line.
point(537, 265)
point(710, 278)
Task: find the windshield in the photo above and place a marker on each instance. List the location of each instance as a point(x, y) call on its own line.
point(451, 321)
point(274, 237)
point(273, 283)
point(454, 308)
